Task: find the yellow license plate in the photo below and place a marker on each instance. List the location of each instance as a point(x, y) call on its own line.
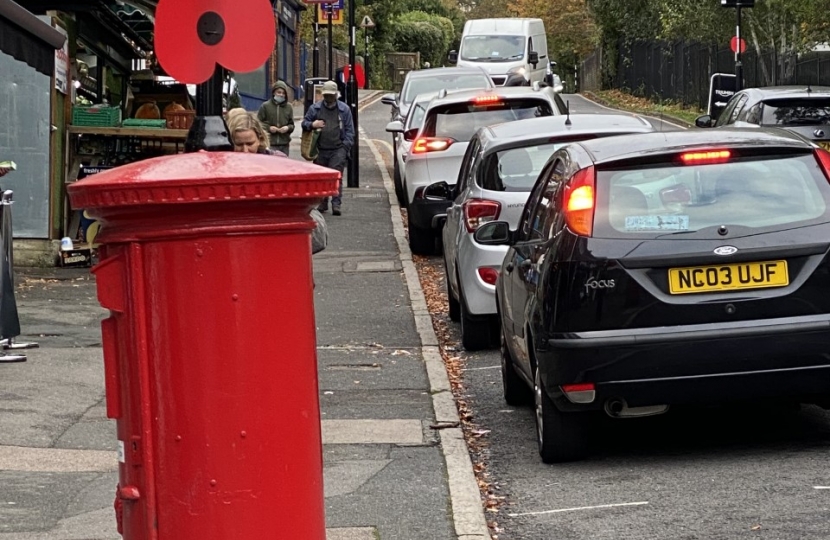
point(728, 277)
point(825, 145)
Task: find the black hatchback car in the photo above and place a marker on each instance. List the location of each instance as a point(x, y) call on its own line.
point(662, 269)
point(804, 110)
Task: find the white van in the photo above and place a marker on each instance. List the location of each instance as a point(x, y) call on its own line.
point(505, 48)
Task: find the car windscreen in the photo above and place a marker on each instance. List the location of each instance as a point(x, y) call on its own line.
point(426, 85)
point(747, 195)
point(796, 112)
point(461, 120)
point(515, 169)
point(493, 48)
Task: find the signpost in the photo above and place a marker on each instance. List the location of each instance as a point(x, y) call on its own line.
point(722, 86)
point(738, 45)
point(367, 24)
point(351, 97)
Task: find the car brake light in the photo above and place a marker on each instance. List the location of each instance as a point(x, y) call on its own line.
point(703, 158)
point(488, 275)
point(580, 392)
point(823, 157)
point(486, 99)
point(579, 202)
point(430, 144)
point(477, 212)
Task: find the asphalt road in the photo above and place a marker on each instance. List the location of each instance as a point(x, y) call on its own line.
point(716, 473)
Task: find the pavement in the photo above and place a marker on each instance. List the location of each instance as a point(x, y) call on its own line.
point(395, 462)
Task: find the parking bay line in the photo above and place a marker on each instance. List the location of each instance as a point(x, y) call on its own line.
point(578, 508)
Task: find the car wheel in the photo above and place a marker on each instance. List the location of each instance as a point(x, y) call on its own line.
point(561, 436)
point(475, 332)
point(421, 241)
point(455, 306)
point(398, 181)
point(516, 391)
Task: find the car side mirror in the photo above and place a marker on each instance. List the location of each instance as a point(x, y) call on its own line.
point(494, 233)
point(452, 57)
point(410, 134)
point(533, 58)
point(704, 121)
point(552, 65)
point(395, 127)
point(439, 191)
point(558, 88)
point(389, 99)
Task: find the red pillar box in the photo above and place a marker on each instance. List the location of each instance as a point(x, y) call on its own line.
point(209, 350)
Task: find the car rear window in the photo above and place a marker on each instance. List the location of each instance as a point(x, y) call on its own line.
point(446, 82)
point(796, 112)
point(755, 195)
point(516, 169)
point(460, 121)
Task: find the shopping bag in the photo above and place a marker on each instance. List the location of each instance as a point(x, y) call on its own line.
point(308, 144)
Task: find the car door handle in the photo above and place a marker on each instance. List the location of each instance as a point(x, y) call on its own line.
point(508, 267)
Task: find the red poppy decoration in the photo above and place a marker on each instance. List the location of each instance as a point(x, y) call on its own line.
point(192, 36)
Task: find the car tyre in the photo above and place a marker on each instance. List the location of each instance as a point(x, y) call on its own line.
point(398, 181)
point(561, 436)
point(516, 392)
point(454, 305)
point(475, 332)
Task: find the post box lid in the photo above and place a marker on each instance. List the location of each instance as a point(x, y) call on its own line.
point(204, 177)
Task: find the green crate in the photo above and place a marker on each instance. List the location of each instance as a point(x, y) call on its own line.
point(96, 116)
point(142, 123)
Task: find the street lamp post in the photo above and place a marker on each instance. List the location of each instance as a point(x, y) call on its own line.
point(351, 97)
point(316, 56)
point(330, 8)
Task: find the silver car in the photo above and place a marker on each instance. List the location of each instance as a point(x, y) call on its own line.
point(499, 170)
point(439, 146)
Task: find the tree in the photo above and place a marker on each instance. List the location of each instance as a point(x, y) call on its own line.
point(430, 35)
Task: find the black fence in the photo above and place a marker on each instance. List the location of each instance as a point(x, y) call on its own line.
point(680, 71)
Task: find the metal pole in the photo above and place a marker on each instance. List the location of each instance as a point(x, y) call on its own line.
point(351, 96)
point(316, 56)
point(366, 56)
point(209, 95)
point(331, 45)
point(739, 68)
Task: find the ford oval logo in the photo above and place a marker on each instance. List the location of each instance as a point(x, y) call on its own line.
point(726, 250)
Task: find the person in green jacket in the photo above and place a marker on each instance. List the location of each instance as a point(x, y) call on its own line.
point(277, 116)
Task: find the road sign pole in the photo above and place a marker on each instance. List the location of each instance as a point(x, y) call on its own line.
point(739, 68)
point(366, 56)
point(351, 96)
point(316, 56)
point(330, 10)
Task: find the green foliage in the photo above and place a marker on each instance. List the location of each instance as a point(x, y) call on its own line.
point(421, 36)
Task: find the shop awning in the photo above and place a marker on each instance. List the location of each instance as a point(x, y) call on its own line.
point(28, 39)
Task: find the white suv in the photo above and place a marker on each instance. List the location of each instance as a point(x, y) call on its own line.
point(438, 146)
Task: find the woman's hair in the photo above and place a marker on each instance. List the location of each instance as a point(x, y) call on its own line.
point(248, 121)
point(234, 112)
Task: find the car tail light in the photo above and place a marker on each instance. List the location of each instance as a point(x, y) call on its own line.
point(477, 212)
point(486, 99)
point(488, 275)
point(580, 392)
point(705, 157)
point(431, 144)
point(580, 202)
point(823, 157)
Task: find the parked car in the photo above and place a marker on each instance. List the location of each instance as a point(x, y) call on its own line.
point(499, 169)
point(438, 146)
point(805, 111)
point(663, 269)
point(427, 81)
point(414, 120)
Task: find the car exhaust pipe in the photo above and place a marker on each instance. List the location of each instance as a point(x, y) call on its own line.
point(618, 408)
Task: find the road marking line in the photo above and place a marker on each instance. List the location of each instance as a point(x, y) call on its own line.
point(638, 114)
point(480, 368)
point(370, 103)
point(821, 487)
point(578, 508)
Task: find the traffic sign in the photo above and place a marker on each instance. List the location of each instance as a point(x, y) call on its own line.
point(733, 44)
point(367, 22)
